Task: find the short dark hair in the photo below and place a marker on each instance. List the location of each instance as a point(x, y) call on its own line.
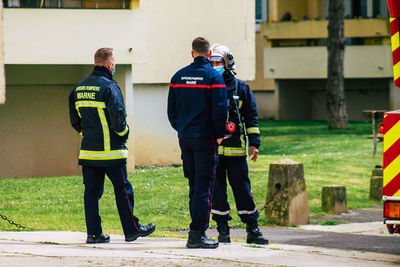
point(201, 45)
point(102, 55)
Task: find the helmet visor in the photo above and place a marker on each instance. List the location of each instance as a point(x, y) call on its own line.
point(216, 58)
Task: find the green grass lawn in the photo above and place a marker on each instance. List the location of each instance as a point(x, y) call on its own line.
point(341, 157)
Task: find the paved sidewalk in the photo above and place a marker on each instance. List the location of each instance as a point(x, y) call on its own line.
point(69, 249)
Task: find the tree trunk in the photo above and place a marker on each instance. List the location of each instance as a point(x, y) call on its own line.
point(2, 74)
point(335, 99)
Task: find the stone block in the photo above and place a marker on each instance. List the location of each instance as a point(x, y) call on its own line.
point(375, 188)
point(334, 199)
point(287, 201)
point(378, 171)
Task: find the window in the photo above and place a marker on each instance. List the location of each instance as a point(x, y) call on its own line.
point(109, 4)
point(362, 8)
point(261, 10)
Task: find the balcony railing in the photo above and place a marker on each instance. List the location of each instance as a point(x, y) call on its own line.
point(91, 4)
point(315, 32)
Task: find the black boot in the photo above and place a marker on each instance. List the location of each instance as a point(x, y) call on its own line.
point(143, 231)
point(198, 239)
point(223, 230)
point(100, 238)
point(254, 235)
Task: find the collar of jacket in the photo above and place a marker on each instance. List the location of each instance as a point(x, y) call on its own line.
point(202, 60)
point(229, 79)
point(102, 71)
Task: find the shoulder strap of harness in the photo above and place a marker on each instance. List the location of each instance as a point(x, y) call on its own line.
point(236, 100)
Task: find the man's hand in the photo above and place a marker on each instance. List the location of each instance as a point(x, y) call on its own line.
point(253, 153)
point(219, 140)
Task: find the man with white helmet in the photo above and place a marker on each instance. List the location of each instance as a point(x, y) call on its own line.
point(241, 123)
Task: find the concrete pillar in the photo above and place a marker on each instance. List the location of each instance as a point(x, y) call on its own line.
point(2, 73)
point(378, 171)
point(334, 199)
point(124, 79)
point(375, 188)
point(314, 9)
point(277, 100)
point(287, 201)
point(376, 183)
point(394, 96)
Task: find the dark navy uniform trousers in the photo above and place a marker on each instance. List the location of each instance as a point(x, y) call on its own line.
point(200, 161)
point(93, 178)
point(238, 176)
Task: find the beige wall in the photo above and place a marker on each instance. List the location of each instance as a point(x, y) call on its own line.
point(314, 9)
point(298, 9)
point(261, 83)
point(70, 36)
point(123, 77)
point(160, 35)
point(2, 77)
point(173, 24)
point(156, 143)
point(36, 137)
point(311, 62)
point(265, 104)
point(278, 8)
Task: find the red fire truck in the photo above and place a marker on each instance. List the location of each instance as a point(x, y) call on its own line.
point(391, 170)
point(391, 135)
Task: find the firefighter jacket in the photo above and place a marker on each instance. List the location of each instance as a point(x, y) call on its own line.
point(197, 104)
point(97, 112)
point(240, 98)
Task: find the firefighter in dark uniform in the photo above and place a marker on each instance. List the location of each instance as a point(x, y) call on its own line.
point(242, 122)
point(197, 110)
point(97, 112)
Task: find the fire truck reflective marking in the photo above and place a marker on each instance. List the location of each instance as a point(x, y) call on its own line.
point(395, 41)
point(392, 188)
point(391, 171)
point(396, 70)
point(391, 153)
point(391, 136)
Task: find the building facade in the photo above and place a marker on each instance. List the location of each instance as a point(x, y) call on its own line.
point(292, 57)
point(49, 47)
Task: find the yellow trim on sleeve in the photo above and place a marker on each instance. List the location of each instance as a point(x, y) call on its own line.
point(123, 132)
point(253, 130)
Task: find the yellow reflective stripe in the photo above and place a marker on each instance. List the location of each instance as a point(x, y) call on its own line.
point(106, 132)
point(231, 151)
point(252, 130)
point(103, 155)
point(123, 132)
point(91, 104)
point(242, 141)
point(395, 41)
point(79, 114)
point(396, 71)
point(391, 136)
point(391, 171)
point(240, 103)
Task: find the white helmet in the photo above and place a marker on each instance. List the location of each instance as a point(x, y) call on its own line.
point(221, 52)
